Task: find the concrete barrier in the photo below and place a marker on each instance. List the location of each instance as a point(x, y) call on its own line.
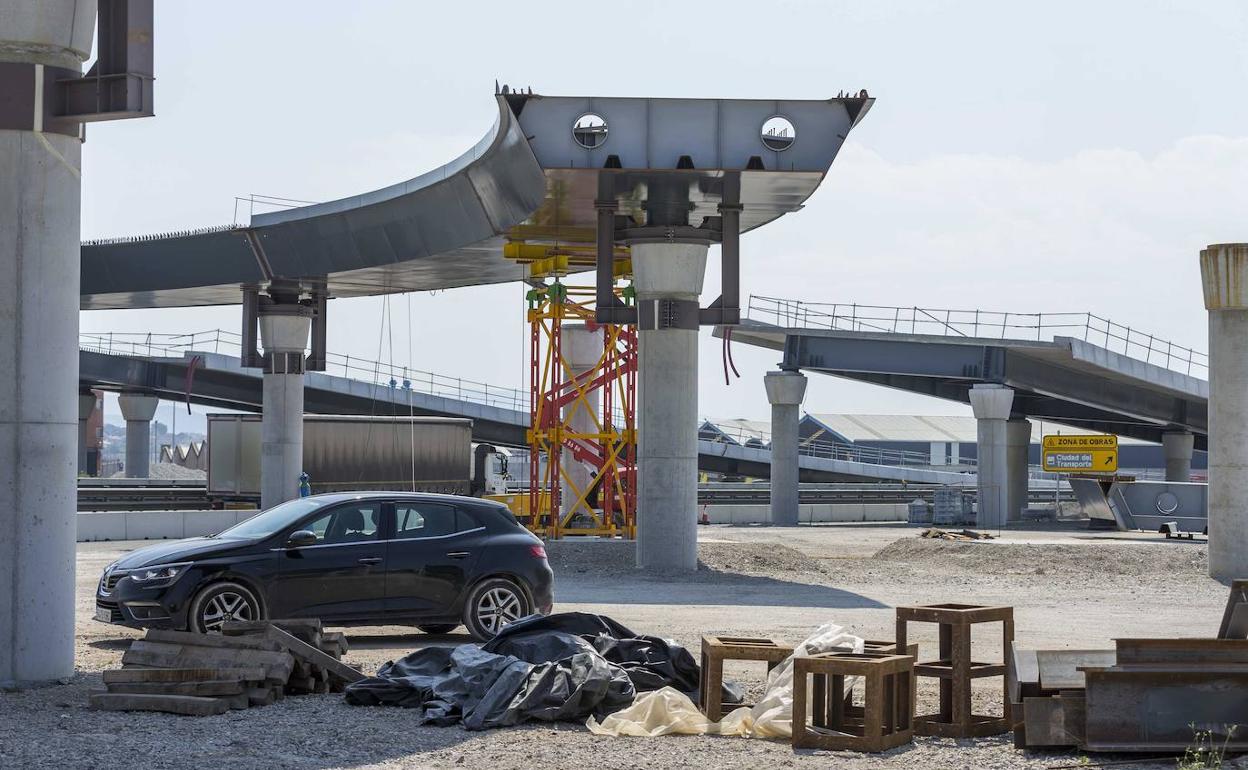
point(95, 526)
point(810, 513)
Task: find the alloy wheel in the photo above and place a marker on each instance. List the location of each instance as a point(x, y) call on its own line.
point(224, 607)
point(498, 607)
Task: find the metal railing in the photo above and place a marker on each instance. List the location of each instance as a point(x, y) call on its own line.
point(377, 373)
point(881, 319)
point(832, 450)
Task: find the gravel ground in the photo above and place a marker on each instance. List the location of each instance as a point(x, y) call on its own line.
point(1070, 588)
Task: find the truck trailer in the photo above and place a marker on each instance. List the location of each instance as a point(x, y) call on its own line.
point(347, 453)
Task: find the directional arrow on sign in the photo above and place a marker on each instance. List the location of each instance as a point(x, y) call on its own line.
point(1109, 459)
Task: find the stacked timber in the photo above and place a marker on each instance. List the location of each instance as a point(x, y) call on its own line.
point(252, 663)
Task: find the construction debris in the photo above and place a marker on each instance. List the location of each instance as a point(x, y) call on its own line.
point(253, 663)
point(935, 533)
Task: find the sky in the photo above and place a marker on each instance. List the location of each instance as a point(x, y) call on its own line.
point(1031, 158)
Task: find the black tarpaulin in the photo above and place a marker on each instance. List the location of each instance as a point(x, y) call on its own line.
point(562, 667)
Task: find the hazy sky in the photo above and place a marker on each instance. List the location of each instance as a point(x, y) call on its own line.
point(1039, 157)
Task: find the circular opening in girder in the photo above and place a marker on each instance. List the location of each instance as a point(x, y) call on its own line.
point(1167, 502)
point(590, 131)
point(778, 133)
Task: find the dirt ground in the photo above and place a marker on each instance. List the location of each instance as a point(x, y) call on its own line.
point(1069, 588)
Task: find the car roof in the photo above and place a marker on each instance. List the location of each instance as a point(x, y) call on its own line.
point(337, 497)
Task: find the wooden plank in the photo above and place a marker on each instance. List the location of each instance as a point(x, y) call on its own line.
point(1054, 721)
point(203, 689)
point(261, 696)
point(277, 665)
point(339, 638)
point(1059, 669)
point(212, 640)
point(251, 673)
point(297, 648)
point(189, 705)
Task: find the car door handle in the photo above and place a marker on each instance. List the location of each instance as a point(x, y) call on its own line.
point(371, 560)
point(457, 554)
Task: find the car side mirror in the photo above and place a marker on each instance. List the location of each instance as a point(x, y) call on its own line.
point(301, 537)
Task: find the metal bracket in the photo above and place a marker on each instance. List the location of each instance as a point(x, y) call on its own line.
point(667, 314)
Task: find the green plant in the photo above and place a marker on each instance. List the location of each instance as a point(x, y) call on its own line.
point(1205, 753)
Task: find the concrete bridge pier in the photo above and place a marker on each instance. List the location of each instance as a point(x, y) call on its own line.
point(785, 391)
point(582, 348)
point(668, 280)
point(138, 409)
point(86, 407)
point(991, 404)
point(40, 170)
point(1178, 448)
point(284, 329)
point(1018, 471)
point(1224, 274)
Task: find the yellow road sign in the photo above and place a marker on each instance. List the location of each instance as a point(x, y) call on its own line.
point(1081, 443)
point(1081, 460)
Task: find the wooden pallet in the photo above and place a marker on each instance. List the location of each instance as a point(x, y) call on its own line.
point(253, 663)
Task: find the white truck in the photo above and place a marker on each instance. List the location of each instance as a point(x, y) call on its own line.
point(356, 453)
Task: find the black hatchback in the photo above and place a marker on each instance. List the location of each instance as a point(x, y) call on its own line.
point(376, 558)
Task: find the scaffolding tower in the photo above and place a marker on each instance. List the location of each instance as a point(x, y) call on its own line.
point(582, 434)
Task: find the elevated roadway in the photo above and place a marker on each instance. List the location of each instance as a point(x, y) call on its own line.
point(1137, 390)
point(499, 415)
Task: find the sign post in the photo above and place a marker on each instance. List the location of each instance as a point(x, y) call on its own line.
point(1081, 454)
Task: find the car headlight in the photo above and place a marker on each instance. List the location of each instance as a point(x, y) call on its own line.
point(159, 574)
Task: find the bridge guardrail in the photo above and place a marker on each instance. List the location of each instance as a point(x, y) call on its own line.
point(882, 319)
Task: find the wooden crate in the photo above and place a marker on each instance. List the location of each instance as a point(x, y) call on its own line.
point(884, 721)
point(717, 649)
point(955, 669)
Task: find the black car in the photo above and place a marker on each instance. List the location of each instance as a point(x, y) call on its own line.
point(433, 561)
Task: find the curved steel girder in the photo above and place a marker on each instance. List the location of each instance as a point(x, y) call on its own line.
point(446, 228)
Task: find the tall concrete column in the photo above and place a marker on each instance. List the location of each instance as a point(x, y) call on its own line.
point(1017, 469)
point(667, 396)
point(284, 335)
point(86, 408)
point(1224, 273)
point(138, 409)
point(785, 391)
point(39, 261)
point(581, 348)
point(991, 405)
point(1178, 448)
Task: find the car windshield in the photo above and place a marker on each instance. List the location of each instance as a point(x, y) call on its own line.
point(273, 520)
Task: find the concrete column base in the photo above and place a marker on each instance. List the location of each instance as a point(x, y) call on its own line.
point(138, 409)
point(667, 413)
point(785, 392)
point(991, 405)
point(281, 439)
point(1017, 470)
point(1178, 448)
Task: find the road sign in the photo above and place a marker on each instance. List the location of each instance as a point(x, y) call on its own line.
point(1081, 454)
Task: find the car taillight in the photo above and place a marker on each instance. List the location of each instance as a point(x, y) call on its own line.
point(537, 551)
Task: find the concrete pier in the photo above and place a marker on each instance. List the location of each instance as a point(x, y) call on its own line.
point(785, 392)
point(39, 278)
point(138, 409)
point(667, 414)
point(284, 334)
point(86, 407)
point(991, 405)
point(1017, 470)
point(582, 349)
point(1178, 448)
point(1224, 273)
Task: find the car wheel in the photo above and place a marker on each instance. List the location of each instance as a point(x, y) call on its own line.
point(493, 604)
point(436, 629)
point(222, 602)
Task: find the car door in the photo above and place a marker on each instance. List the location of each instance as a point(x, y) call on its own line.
point(342, 575)
point(435, 548)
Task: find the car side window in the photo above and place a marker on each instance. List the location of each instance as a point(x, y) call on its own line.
point(355, 523)
point(424, 520)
